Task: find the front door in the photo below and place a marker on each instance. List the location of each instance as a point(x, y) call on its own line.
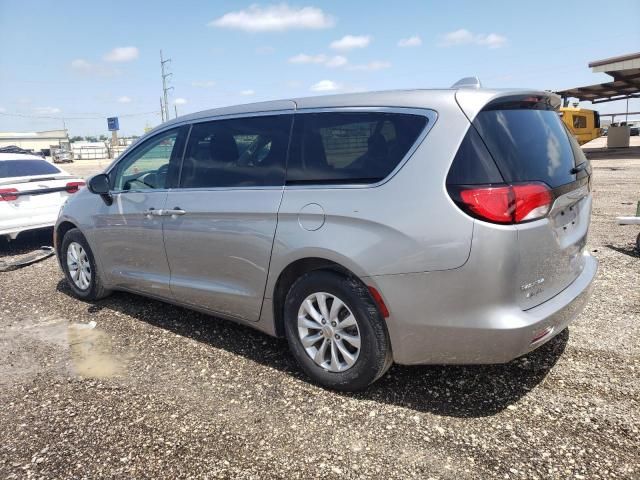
point(220, 236)
point(128, 233)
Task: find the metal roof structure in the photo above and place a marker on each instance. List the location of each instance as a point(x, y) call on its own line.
point(625, 71)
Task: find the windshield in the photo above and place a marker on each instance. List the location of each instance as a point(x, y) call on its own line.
point(26, 168)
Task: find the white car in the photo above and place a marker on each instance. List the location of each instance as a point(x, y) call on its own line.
point(32, 191)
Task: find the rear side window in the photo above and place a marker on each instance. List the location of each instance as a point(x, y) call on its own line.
point(240, 152)
point(346, 147)
point(25, 168)
point(528, 142)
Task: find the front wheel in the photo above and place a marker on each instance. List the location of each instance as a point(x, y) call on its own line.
point(79, 266)
point(336, 332)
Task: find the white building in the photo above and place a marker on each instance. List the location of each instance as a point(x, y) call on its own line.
point(38, 142)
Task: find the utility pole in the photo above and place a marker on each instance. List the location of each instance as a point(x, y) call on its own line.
point(175, 109)
point(165, 89)
point(161, 110)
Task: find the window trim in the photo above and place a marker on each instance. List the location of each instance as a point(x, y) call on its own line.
point(431, 115)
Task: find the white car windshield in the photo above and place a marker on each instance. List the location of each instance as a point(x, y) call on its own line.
point(26, 168)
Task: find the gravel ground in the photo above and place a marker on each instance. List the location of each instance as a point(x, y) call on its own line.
point(157, 391)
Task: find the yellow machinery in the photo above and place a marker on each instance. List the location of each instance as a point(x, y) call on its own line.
point(583, 123)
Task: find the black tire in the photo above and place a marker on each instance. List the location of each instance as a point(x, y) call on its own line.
point(96, 289)
point(374, 357)
point(638, 243)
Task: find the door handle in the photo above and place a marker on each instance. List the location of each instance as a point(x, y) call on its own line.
point(174, 211)
point(152, 212)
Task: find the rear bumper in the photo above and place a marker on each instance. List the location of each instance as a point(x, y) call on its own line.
point(433, 319)
point(34, 222)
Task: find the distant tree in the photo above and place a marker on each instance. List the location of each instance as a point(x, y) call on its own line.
point(103, 138)
point(91, 139)
point(76, 139)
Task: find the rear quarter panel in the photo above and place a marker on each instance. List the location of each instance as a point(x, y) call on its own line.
point(406, 224)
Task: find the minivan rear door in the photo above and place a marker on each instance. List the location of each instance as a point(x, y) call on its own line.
point(529, 143)
point(221, 220)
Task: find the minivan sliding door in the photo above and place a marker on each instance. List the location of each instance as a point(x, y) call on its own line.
point(219, 240)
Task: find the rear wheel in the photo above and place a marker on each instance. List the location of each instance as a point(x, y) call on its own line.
point(79, 266)
point(336, 332)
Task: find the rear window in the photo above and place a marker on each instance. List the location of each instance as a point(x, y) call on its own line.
point(528, 142)
point(25, 168)
point(348, 147)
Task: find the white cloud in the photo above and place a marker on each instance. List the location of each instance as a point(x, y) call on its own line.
point(304, 58)
point(413, 41)
point(203, 84)
point(349, 42)
point(274, 18)
point(46, 110)
point(124, 99)
point(320, 59)
point(293, 84)
point(180, 101)
point(82, 66)
point(371, 66)
point(265, 50)
point(337, 61)
point(325, 86)
point(247, 92)
point(122, 54)
point(465, 37)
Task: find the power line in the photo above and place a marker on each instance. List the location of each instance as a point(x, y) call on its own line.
point(97, 117)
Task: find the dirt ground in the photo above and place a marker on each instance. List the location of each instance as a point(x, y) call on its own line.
point(157, 391)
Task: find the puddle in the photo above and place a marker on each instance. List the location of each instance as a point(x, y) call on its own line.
point(90, 352)
point(80, 349)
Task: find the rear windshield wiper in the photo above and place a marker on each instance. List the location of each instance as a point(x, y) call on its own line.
point(579, 168)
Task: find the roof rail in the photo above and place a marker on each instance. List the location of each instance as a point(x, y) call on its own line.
point(467, 82)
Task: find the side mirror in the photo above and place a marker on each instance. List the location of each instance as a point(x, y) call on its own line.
point(99, 184)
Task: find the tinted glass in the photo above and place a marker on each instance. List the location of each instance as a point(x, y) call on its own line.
point(147, 167)
point(473, 164)
point(241, 152)
point(528, 144)
point(25, 168)
point(350, 147)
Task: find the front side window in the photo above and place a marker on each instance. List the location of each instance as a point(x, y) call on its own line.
point(350, 147)
point(147, 167)
point(239, 152)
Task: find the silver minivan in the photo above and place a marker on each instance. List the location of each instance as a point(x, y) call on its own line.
point(424, 226)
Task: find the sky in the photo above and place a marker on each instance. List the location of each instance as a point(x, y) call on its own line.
point(74, 63)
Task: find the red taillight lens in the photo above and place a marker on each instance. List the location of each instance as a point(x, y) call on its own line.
point(73, 187)
point(8, 194)
point(507, 204)
point(532, 201)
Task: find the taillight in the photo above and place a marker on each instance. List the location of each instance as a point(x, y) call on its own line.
point(73, 187)
point(8, 194)
point(505, 204)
